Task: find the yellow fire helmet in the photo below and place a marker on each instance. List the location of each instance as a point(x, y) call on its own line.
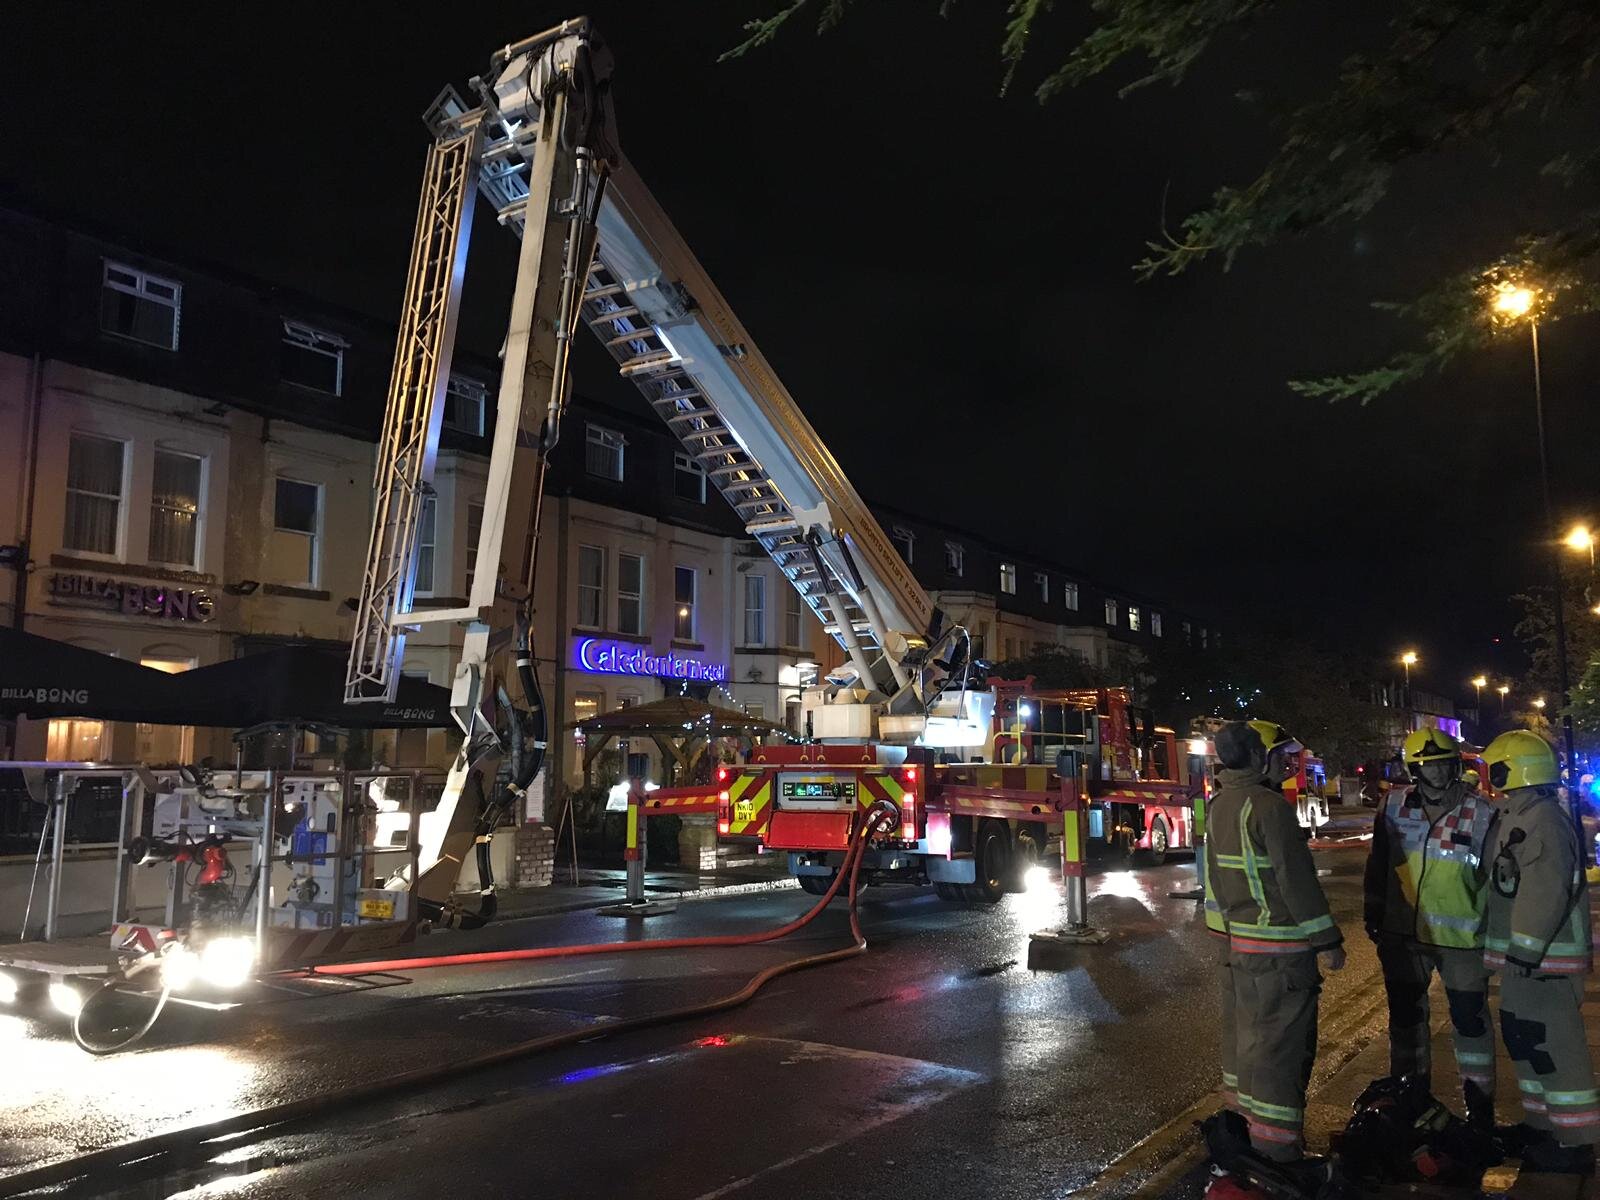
point(1429, 745)
point(1273, 735)
point(1519, 759)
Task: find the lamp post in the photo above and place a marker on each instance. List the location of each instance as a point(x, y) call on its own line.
point(1513, 302)
point(1408, 660)
point(1503, 689)
point(1479, 682)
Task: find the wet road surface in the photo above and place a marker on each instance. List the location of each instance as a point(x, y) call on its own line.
point(937, 1061)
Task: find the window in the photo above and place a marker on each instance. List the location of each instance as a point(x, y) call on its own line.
point(630, 593)
point(1011, 649)
point(1155, 624)
point(980, 640)
point(1042, 582)
point(1134, 617)
point(1008, 578)
point(140, 306)
point(904, 541)
point(683, 603)
point(175, 509)
point(755, 610)
point(165, 745)
point(585, 705)
point(955, 557)
point(474, 528)
point(1111, 612)
point(791, 617)
point(464, 402)
point(1069, 595)
point(1202, 637)
point(756, 709)
point(427, 539)
point(75, 740)
point(94, 495)
point(602, 452)
point(312, 359)
point(591, 587)
point(1188, 634)
point(296, 513)
point(689, 478)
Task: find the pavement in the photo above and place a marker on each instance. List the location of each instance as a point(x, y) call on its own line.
point(937, 1061)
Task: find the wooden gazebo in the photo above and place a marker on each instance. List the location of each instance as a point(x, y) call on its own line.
point(684, 729)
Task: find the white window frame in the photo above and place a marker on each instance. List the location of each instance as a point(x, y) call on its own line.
point(472, 540)
point(677, 604)
point(121, 498)
point(638, 627)
point(139, 286)
point(610, 439)
point(758, 582)
point(905, 541)
point(683, 464)
point(793, 618)
point(1069, 595)
point(1135, 618)
point(1111, 612)
point(319, 341)
point(1041, 580)
point(1008, 578)
point(462, 390)
point(1188, 633)
point(315, 553)
point(1155, 624)
point(955, 559)
point(199, 513)
point(425, 587)
point(598, 589)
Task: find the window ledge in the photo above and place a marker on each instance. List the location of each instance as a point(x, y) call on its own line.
point(137, 570)
point(682, 645)
point(637, 639)
point(297, 593)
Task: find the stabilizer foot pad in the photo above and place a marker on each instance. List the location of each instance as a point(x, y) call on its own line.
point(650, 908)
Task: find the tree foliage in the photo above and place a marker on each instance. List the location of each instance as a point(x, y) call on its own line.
point(1447, 74)
point(1536, 631)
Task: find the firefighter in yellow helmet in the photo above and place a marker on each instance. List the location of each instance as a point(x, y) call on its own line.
point(1271, 919)
point(1426, 887)
point(1537, 938)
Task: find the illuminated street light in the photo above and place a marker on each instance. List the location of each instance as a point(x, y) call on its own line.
point(1480, 682)
point(1503, 689)
point(1512, 302)
point(1579, 538)
point(1408, 660)
point(1538, 702)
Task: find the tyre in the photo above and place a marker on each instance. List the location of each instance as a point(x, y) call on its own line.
point(816, 885)
point(991, 855)
point(948, 891)
point(1160, 844)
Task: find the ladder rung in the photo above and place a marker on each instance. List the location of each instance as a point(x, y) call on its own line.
point(610, 289)
point(645, 362)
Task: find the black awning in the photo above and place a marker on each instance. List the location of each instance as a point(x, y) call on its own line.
point(299, 684)
point(41, 677)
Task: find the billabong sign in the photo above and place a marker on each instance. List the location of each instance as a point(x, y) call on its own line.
point(47, 695)
point(132, 599)
point(601, 657)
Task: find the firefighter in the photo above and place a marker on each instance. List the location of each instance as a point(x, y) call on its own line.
point(1425, 894)
point(1265, 906)
point(1537, 938)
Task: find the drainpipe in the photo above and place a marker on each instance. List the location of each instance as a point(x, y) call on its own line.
point(29, 487)
point(560, 740)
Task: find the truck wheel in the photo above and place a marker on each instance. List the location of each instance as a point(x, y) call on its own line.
point(1160, 843)
point(816, 885)
point(948, 891)
point(992, 858)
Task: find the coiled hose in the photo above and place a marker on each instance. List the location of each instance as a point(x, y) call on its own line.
point(274, 1117)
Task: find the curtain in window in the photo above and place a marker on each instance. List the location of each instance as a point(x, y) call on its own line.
point(174, 508)
point(94, 494)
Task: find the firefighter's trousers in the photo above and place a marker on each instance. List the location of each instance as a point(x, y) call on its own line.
point(1408, 969)
point(1268, 1045)
point(1541, 1020)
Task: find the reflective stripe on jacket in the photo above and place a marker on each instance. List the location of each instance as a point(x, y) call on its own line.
point(1427, 875)
point(1538, 911)
point(1261, 884)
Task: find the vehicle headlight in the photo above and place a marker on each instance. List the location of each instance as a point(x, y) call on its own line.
point(8, 988)
point(227, 961)
point(66, 998)
point(180, 967)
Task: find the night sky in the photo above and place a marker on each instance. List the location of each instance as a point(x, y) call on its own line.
point(940, 274)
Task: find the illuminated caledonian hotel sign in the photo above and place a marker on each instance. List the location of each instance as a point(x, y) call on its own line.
point(623, 658)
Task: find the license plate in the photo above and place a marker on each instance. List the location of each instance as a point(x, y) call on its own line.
point(744, 811)
point(383, 910)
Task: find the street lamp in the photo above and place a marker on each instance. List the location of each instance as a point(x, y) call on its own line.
point(1408, 660)
point(1579, 538)
point(1538, 702)
point(1503, 689)
point(1512, 302)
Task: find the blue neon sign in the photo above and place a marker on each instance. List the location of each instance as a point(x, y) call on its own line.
point(600, 657)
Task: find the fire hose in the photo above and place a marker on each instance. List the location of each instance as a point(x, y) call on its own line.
point(276, 1116)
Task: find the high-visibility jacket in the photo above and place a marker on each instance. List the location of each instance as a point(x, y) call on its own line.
point(1426, 876)
point(1261, 885)
point(1538, 912)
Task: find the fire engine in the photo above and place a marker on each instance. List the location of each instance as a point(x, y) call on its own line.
point(907, 717)
point(1306, 789)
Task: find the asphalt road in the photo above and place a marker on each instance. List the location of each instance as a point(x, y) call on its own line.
point(939, 1061)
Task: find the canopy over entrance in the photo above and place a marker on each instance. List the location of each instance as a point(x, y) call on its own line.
point(682, 727)
point(43, 678)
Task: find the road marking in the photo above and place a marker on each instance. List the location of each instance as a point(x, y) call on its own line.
point(920, 1073)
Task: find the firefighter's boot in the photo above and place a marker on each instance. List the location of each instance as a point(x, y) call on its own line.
point(1546, 1156)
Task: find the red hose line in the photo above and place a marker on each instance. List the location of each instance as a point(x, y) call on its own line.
point(277, 1116)
point(685, 943)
